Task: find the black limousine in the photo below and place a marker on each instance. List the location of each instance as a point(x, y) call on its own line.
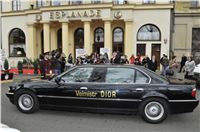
point(108, 88)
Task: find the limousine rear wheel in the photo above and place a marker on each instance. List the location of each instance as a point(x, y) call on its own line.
point(26, 101)
point(154, 110)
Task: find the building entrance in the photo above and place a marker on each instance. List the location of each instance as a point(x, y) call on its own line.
point(155, 50)
point(196, 44)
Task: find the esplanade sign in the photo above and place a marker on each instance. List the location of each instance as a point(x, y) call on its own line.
point(56, 15)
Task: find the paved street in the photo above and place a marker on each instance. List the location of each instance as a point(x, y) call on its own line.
point(62, 121)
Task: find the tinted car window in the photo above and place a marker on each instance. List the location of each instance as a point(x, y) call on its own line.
point(120, 75)
point(78, 75)
point(141, 78)
point(98, 75)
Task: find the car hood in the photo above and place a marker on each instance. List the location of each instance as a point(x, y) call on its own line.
point(34, 84)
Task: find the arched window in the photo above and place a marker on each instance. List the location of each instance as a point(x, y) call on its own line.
point(79, 38)
point(99, 35)
point(98, 39)
point(149, 32)
point(17, 41)
point(118, 39)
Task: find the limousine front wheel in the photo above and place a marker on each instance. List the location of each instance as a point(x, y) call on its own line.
point(154, 110)
point(26, 101)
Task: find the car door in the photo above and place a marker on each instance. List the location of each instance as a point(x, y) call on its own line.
point(123, 88)
point(72, 90)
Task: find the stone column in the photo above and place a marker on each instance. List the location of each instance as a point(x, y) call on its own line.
point(65, 38)
point(87, 44)
point(128, 43)
point(31, 51)
point(46, 29)
point(108, 36)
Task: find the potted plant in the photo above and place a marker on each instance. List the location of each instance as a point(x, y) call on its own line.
point(6, 66)
point(27, 66)
point(5, 74)
point(19, 67)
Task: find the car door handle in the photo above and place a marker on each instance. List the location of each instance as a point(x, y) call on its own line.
point(83, 88)
point(139, 89)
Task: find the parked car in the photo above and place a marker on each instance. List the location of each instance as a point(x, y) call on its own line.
point(108, 88)
point(5, 128)
point(197, 74)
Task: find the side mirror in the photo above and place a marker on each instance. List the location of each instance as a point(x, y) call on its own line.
point(57, 80)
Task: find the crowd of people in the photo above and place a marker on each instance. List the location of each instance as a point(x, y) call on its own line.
point(55, 61)
point(52, 62)
point(170, 67)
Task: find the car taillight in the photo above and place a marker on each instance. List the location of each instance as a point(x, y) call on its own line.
point(194, 91)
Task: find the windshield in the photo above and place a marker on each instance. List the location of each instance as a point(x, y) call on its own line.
point(53, 79)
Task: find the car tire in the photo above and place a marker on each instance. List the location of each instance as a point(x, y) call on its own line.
point(154, 110)
point(26, 101)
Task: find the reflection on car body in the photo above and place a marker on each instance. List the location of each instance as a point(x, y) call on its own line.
point(113, 88)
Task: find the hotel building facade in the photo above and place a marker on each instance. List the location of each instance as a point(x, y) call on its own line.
point(30, 28)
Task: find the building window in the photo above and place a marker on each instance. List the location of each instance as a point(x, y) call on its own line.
point(39, 3)
point(1, 5)
point(97, 1)
point(55, 2)
point(141, 49)
point(17, 46)
point(194, 3)
point(149, 1)
point(76, 2)
point(149, 32)
point(118, 39)
point(117, 2)
point(99, 35)
point(16, 5)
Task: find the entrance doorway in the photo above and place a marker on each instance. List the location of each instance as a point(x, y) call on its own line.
point(59, 39)
point(78, 39)
point(118, 40)
point(98, 40)
point(42, 41)
point(196, 44)
point(155, 50)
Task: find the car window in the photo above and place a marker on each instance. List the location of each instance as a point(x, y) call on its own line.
point(98, 75)
point(78, 75)
point(141, 78)
point(120, 75)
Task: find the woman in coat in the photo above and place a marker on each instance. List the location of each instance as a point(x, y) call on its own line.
point(189, 68)
point(173, 66)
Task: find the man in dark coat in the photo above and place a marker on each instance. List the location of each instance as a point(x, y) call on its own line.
point(42, 67)
point(153, 63)
point(183, 60)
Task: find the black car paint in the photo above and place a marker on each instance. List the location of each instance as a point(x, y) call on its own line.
point(127, 97)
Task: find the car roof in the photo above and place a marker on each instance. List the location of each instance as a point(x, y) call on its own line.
point(150, 73)
point(109, 65)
